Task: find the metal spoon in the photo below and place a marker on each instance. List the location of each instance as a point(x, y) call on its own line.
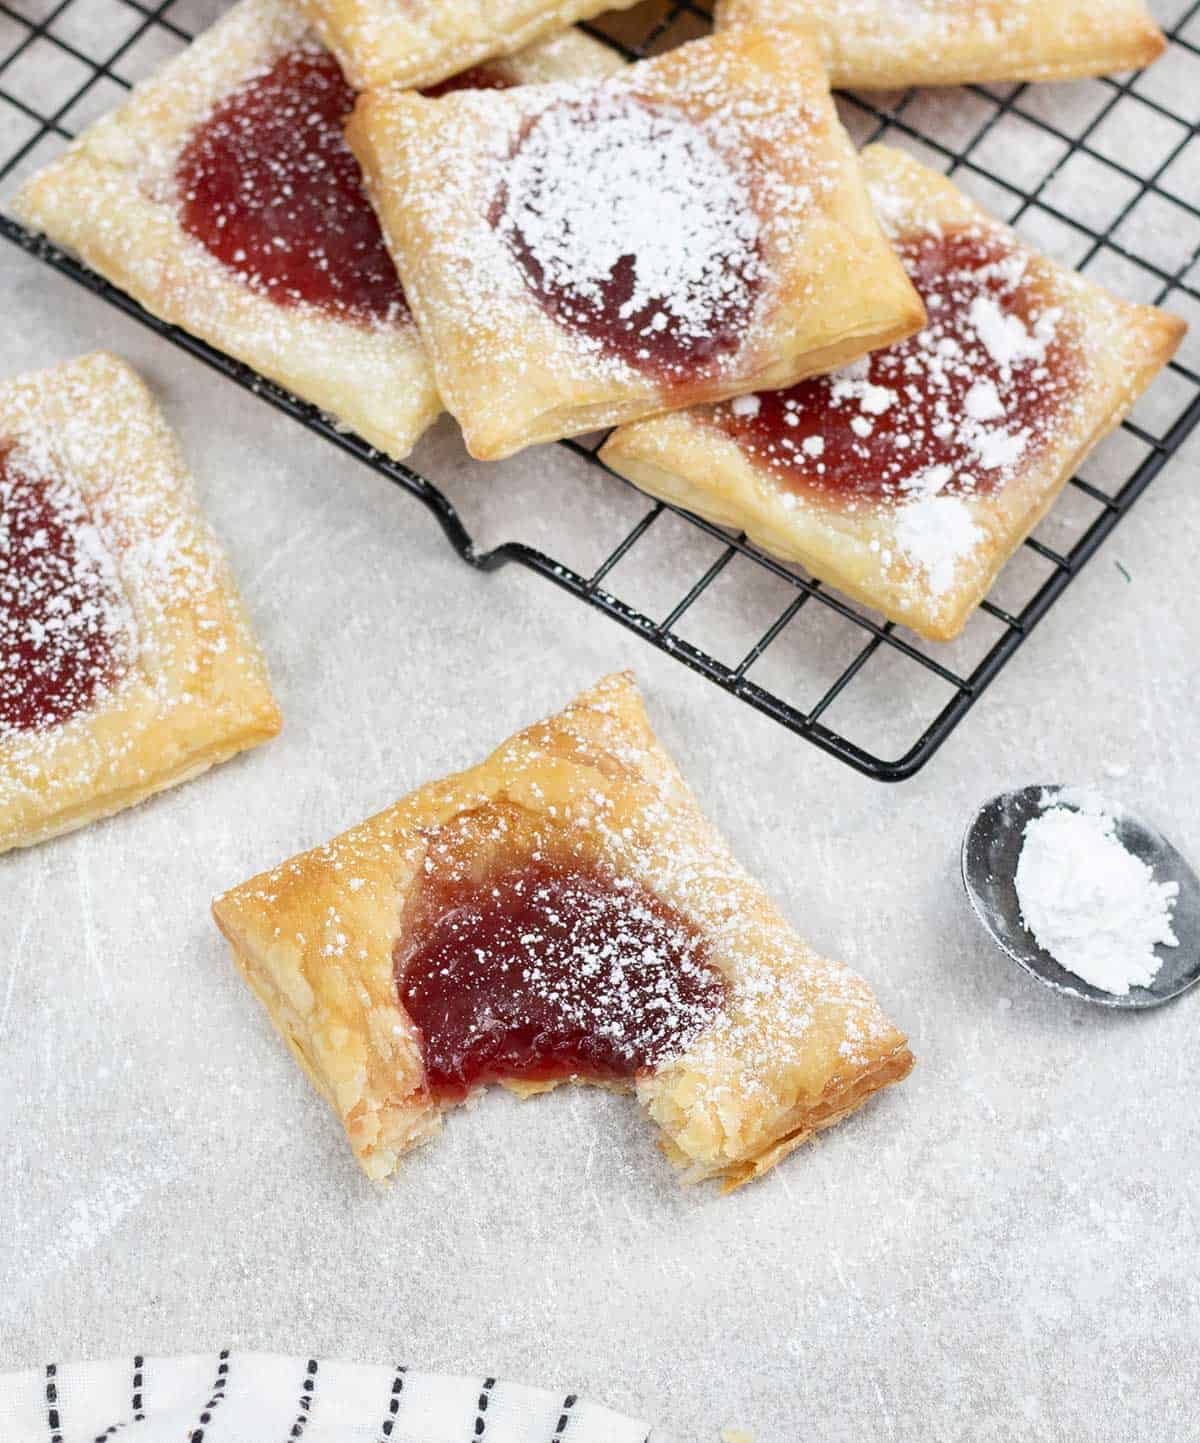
point(990, 850)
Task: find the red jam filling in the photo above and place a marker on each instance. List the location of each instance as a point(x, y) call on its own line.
point(952, 410)
point(548, 971)
point(63, 619)
point(632, 230)
point(270, 188)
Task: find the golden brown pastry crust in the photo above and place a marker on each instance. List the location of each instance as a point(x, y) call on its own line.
point(420, 42)
point(510, 373)
point(111, 199)
point(692, 461)
point(892, 44)
point(801, 1042)
point(197, 690)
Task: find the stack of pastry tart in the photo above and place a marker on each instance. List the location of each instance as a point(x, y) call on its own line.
point(395, 209)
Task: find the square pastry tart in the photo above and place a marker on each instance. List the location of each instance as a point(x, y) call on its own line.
point(562, 911)
point(223, 197)
point(908, 478)
point(694, 227)
point(126, 663)
point(421, 42)
point(892, 44)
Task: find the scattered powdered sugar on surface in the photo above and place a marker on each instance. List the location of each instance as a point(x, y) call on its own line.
point(1089, 902)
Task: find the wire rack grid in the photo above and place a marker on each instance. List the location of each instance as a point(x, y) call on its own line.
point(1104, 173)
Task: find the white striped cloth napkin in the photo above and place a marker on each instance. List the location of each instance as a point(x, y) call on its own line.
point(266, 1398)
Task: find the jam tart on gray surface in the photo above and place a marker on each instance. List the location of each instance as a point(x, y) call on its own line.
point(126, 661)
point(562, 911)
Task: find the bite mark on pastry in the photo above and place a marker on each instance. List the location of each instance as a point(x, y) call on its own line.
point(908, 478)
point(560, 912)
point(126, 662)
point(522, 960)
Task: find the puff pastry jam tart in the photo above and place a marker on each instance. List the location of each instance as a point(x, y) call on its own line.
point(891, 44)
point(422, 42)
point(561, 911)
point(692, 228)
point(908, 478)
point(222, 196)
point(126, 663)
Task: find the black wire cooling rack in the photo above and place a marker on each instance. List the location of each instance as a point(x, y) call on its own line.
point(1102, 172)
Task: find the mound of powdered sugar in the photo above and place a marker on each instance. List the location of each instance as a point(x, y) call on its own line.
point(1089, 902)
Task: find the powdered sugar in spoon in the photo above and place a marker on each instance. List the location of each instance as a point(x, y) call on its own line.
point(990, 853)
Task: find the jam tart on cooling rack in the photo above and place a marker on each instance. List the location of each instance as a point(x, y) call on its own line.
point(907, 479)
point(562, 911)
point(892, 44)
point(422, 42)
point(694, 227)
point(223, 197)
point(126, 663)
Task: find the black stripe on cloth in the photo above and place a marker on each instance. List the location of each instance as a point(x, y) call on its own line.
point(564, 1417)
point(218, 1392)
point(306, 1398)
point(394, 1402)
point(138, 1364)
point(481, 1416)
point(135, 1400)
point(52, 1402)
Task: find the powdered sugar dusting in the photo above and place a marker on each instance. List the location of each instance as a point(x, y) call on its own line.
point(114, 197)
point(544, 971)
point(914, 432)
point(934, 533)
point(573, 253)
point(671, 251)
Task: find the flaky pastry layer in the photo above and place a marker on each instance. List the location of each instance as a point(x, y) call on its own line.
point(421, 42)
point(882, 45)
